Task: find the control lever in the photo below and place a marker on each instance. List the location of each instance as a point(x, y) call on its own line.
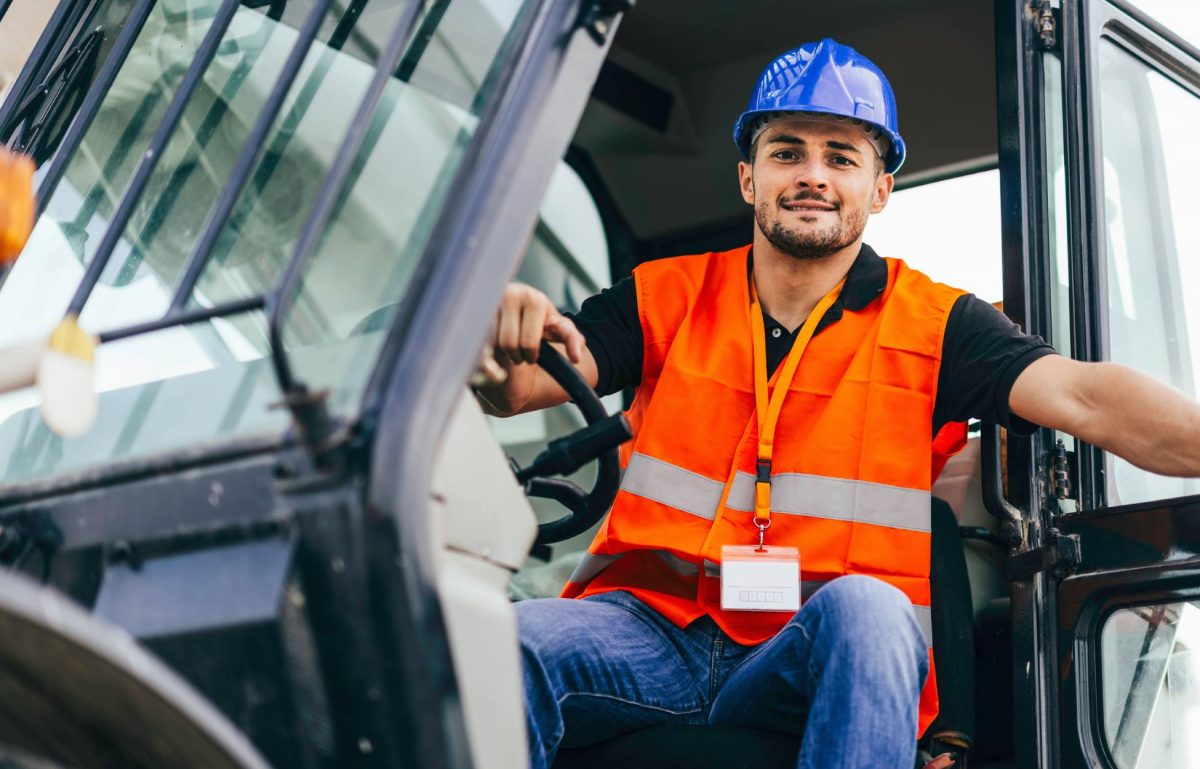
point(598, 440)
point(566, 455)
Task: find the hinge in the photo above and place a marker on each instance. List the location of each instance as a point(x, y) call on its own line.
point(597, 16)
point(1047, 25)
point(1060, 555)
point(1060, 473)
point(1057, 476)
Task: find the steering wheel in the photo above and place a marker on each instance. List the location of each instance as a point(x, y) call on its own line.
point(599, 440)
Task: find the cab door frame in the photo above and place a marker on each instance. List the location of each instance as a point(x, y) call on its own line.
point(435, 340)
point(1132, 554)
point(1026, 37)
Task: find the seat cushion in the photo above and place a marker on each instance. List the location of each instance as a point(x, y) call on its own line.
point(687, 747)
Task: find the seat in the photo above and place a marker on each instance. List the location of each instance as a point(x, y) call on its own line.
point(722, 747)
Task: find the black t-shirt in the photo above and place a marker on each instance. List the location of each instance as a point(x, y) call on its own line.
point(983, 352)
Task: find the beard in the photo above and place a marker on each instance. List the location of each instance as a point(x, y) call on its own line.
point(810, 244)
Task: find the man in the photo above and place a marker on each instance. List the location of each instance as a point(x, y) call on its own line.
point(732, 479)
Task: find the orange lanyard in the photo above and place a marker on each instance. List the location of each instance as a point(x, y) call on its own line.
point(769, 404)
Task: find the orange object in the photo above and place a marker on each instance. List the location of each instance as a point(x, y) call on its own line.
point(851, 462)
point(769, 395)
point(949, 441)
point(16, 204)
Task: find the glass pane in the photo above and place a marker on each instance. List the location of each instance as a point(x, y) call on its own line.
point(1153, 238)
point(1180, 16)
point(1059, 333)
point(357, 276)
point(1150, 686)
point(210, 382)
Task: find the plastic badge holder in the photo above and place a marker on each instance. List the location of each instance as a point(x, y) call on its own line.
point(760, 579)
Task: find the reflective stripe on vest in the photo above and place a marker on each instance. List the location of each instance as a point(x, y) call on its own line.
point(814, 496)
point(672, 486)
point(591, 565)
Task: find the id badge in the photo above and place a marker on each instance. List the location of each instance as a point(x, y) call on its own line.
point(760, 579)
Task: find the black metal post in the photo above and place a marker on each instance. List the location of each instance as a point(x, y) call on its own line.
point(219, 217)
point(185, 318)
point(141, 175)
point(64, 18)
point(1009, 516)
point(282, 297)
point(92, 101)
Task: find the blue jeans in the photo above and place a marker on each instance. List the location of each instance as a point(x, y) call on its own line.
point(845, 672)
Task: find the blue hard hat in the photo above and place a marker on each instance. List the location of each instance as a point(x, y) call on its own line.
point(827, 78)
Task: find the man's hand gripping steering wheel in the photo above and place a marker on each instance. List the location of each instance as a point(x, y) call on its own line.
point(527, 324)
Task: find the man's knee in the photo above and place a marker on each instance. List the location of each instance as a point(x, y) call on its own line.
point(540, 623)
point(870, 615)
point(560, 635)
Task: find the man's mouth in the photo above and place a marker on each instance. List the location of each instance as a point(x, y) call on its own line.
point(807, 206)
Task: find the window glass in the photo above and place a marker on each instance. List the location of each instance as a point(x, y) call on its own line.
point(1150, 686)
point(1153, 241)
point(1180, 16)
point(949, 230)
point(211, 381)
point(1060, 297)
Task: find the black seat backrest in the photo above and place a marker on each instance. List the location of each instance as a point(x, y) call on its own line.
point(724, 747)
point(953, 626)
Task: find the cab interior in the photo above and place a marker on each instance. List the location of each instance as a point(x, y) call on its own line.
point(654, 151)
point(650, 172)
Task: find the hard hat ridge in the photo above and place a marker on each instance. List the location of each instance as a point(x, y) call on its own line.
point(826, 78)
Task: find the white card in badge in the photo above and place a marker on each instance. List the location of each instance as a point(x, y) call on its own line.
point(760, 579)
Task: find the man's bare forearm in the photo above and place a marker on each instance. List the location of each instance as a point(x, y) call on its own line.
point(1141, 420)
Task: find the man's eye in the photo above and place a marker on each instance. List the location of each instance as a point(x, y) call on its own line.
point(842, 160)
point(785, 155)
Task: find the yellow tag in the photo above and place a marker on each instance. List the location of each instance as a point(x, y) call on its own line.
point(69, 339)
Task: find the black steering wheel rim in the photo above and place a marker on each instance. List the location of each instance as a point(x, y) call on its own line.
point(586, 508)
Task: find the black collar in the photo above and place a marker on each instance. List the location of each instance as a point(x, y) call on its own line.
point(865, 281)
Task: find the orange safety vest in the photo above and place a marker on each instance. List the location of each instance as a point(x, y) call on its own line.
point(853, 455)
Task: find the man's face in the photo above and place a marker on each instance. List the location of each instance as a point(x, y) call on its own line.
point(812, 184)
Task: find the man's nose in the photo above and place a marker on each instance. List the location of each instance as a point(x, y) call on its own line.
point(811, 175)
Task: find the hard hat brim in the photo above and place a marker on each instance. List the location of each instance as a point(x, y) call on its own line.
point(741, 133)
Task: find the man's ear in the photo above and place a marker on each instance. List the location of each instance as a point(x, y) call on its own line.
point(883, 191)
point(746, 181)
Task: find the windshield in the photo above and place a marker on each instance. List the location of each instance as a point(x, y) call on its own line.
point(208, 382)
